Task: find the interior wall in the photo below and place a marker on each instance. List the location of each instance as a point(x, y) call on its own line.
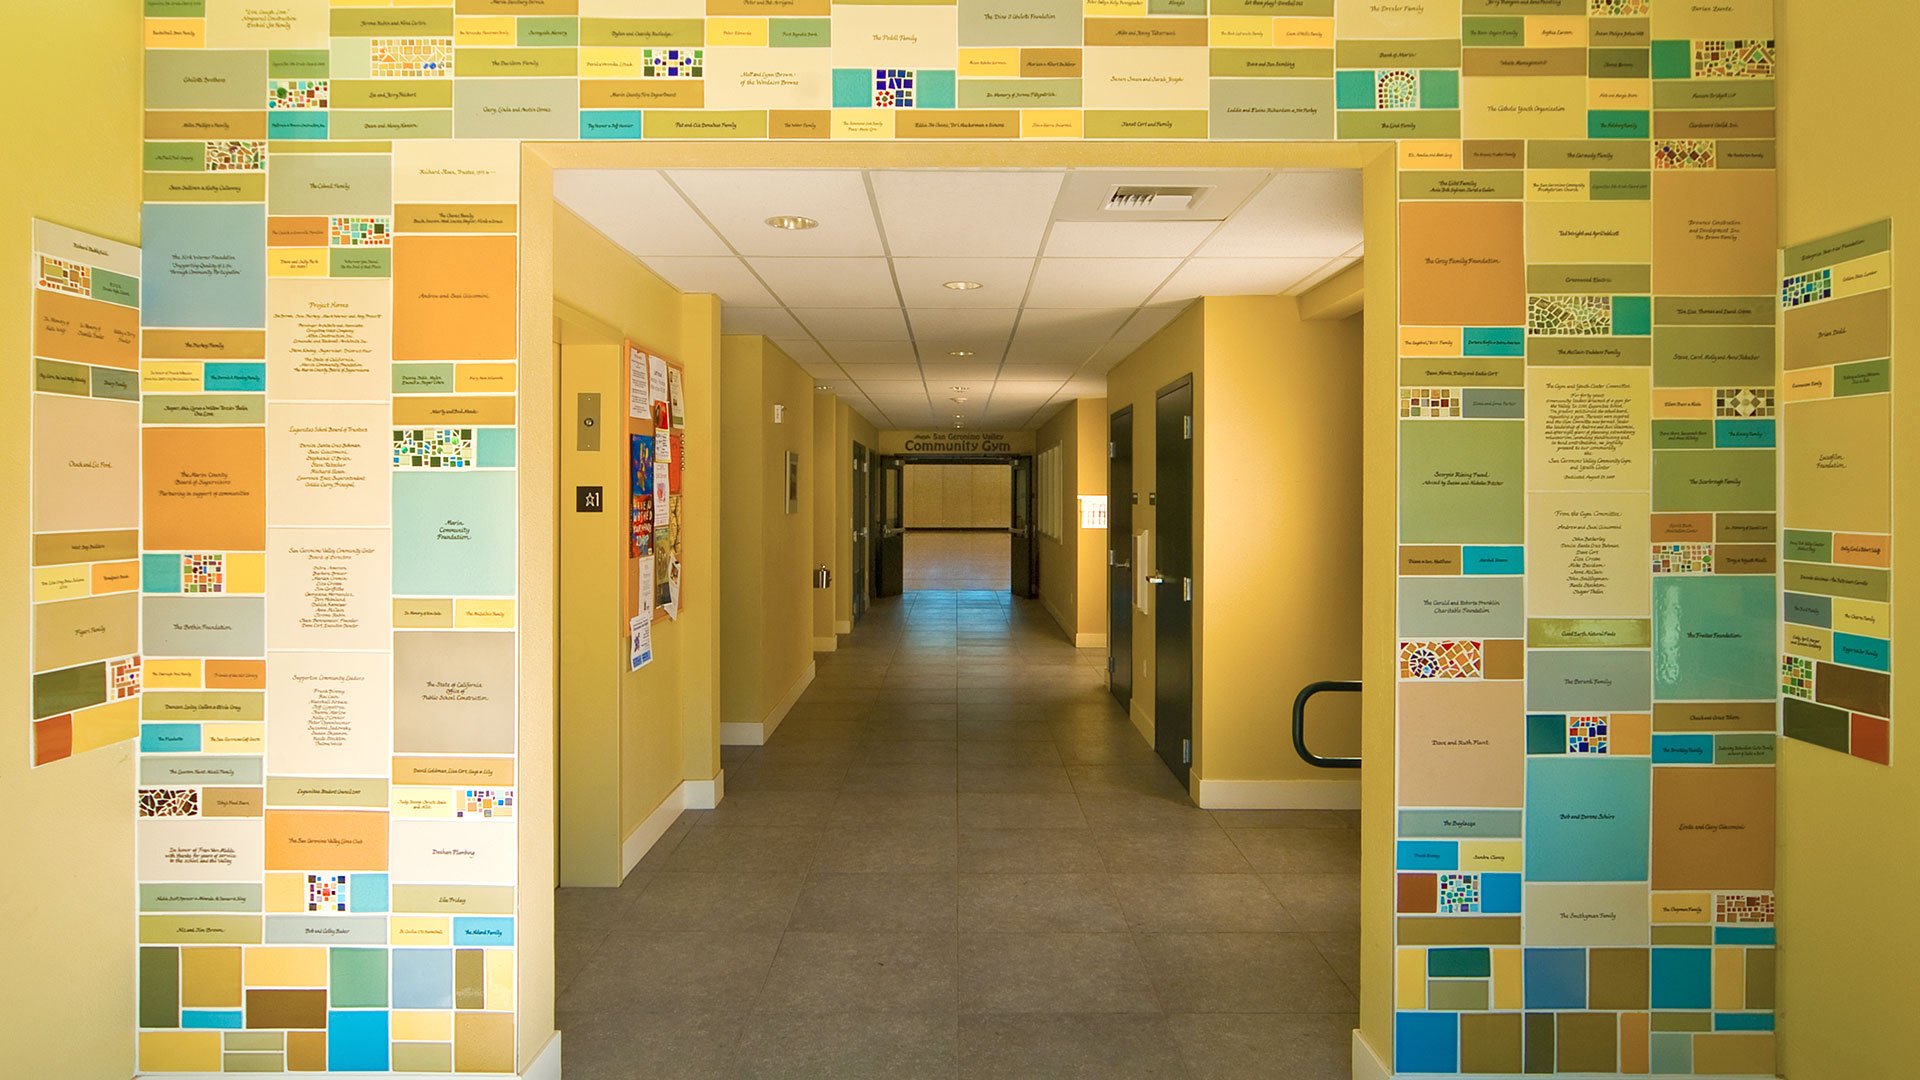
point(849, 428)
point(957, 496)
point(1840, 816)
point(72, 819)
point(1073, 582)
point(824, 494)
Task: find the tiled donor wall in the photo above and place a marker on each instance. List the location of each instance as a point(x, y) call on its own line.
point(1588, 668)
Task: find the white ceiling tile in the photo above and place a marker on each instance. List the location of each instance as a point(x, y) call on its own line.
point(1334, 266)
point(1297, 214)
point(965, 374)
point(828, 283)
point(1148, 321)
point(1027, 353)
point(963, 326)
point(824, 372)
point(1127, 239)
point(1110, 355)
point(804, 351)
point(637, 209)
point(1097, 282)
point(854, 324)
point(772, 321)
point(999, 213)
point(883, 372)
point(869, 352)
point(725, 277)
point(1037, 373)
point(738, 202)
point(1237, 277)
point(1003, 282)
point(1071, 324)
point(900, 389)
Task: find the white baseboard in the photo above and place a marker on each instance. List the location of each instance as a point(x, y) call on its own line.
point(546, 1064)
point(1090, 641)
point(651, 828)
point(751, 734)
point(1279, 794)
point(704, 794)
point(843, 626)
point(826, 644)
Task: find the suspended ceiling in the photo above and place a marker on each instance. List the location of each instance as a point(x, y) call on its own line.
point(1067, 287)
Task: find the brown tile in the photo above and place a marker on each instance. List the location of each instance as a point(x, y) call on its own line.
point(1419, 894)
point(1588, 1042)
point(1618, 979)
point(1506, 659)
point(1490, 1043)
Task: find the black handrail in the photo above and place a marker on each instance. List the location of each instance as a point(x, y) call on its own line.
point(1300, 725)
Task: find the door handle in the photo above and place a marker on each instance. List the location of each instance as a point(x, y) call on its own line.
point(1156, 579)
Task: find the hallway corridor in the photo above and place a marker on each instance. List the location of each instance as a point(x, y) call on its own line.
point(957, 859)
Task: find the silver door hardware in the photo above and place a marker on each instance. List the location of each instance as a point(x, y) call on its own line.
point(1186, 751)
point(587, 423)
point(1186, 423)
point(1113, 450)
point(1186, 588)
point(1156, 579)
point(823, 578)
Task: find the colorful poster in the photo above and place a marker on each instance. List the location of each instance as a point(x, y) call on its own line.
point(640, 506)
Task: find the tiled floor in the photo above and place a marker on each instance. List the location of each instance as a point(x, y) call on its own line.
point(970, 561)
point(957, 859)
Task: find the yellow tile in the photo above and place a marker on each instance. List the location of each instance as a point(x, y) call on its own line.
point(162, 375)
point(422, 1026)
point(1115, 7)
point(233, 738)
point(179, 1051)
point(1291, 33)
point(1557, 185)
point(1809, 641)
point(483, 613)
point(1620, 94)
point(484, 30)
point(1688, 404)
point(746, 32)
point(1670, 908)
point(1734, 1053)
point(1729, 979)
point(210, 978)
point(1862, 617)
point(176, 34)
point(268, 965)
point(863, 123)
point(1240, 31)
point(1507, 989)
point(296, 262)
point(246, 572)
point(115, 578)
point(1050, 123)
point(171, 674)
point(499, 977)
point(1492, 856)
point(485, 378)
point(1430, 154)
point(1556, 31)
point(420, 930)
point(104, 725)
point(1003, 63)
point(1430, 341)
point(1410, 978)
point(1863, 275)
point(605, 62)
point(286, 892)
point(1807, 384)
point(62, 582)
point(421, 802)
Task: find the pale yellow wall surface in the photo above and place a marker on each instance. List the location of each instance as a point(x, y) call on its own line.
point(1848, 829)
point(824, 467)
point(1091, 462)
point(1066, 585)
point(68, 846)
point(742, 517)
point(1060, 558)
point(849, 428)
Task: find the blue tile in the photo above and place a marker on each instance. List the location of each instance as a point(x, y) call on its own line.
point(1490, 559)
point(1683, 749)
point(1555, 978)
point(1866, 652)
point(223, 1019)
point(367, 893)
point(1427, 855)
point(1743, 935)
point(169, 738)
point(1743, 1021)
point(423, 978)
point(1353, 90)
point(357, 1040)
point(1426, 1042)
point(1500, 894)
point(297, 124)
point(496, 448)
point(610, 124)
point(160, 573)
point(233, 378)
point(1682, 978)
point(1494, 341)
point(1587, 818)
point(475, 930)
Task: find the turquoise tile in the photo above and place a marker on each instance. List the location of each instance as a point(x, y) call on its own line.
point(1353, 90)
point(609, 123)
point(933, 89)
point(1546, 734)
point(1683, 978)
point(1439, 89)
point(1713, 638)
point(1587, 818)
point(852, 88)
point(160, 573)
point(1672, 59)
point(495, 448)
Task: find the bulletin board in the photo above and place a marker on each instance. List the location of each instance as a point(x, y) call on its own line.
point(656, 436)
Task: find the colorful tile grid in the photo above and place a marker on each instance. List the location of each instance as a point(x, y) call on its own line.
point(1586, 734)
point(63, 276)
point(1733, 59)
point(1807, 288)
point(1577, 316)
point(236, 155)
point(433, 448)
point(484, 803)
point(1459, 894)
point(1683, 558)
point(327, 892)
point(169, 802)
point(412, 58)
point(1429, 403)
point(1684, 153)
point(1743, 908)
point(203, 573)
point(123, 678)
point(673, 63)
point(1796, 677)
point(1619, 7)
point(1743, 403)
point(1442, 659)
point(297, 93)
point(359, 232)
point(1396, 89)
point(892, 88)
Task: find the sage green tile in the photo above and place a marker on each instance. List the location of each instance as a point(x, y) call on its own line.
point(1701, 480)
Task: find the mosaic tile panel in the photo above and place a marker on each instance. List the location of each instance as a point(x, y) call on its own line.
point(1569, 316)
point(236, 155)
point(1396, 89)
point(1743, 403)
point(412, 58)
point(1619, 7)
point(1808, 288)
point(123, 678)
point(484, 803)
point(63, 276)
point(169, 802)
point(1684, 153)
point(433, 448)
point(1430, 403)
point(203, 573)
point(1586, 734)
point(1459, 894)
point(327, 892)
point(297, 93)
point(1683, 558)
point(892, 88)
point(1796, 677)
point(1733, 59)
point(360, 232)
point(1743, 908)
point(673, 63)
point(1441, 659)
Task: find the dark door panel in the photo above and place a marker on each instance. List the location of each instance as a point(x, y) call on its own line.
point(1120, 558)
point(1173, 434)
point(890, 546)
point(1026, 556)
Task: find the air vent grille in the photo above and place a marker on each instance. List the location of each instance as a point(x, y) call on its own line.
point(1135, 198)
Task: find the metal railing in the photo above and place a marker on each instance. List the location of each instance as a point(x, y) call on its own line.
point(1300, 725)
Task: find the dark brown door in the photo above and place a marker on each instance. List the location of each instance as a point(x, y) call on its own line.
point(1120, 558)
point(1025, 553)
point(1173, 434)
point(890, 539)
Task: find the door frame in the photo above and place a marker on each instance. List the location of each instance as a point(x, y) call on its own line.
point(1120, 570)
point(1174, 744)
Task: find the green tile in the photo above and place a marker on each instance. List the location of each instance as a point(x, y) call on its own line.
point(357, 978)
point(1492, 31)
point(1672, 59)
point(1459, 963)
point(1865, 377)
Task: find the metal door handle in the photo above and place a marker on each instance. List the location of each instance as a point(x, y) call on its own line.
point(1156, 579)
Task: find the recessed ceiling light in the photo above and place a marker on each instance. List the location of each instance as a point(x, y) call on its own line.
point(961, 352)
point(823, 388)
point(962, 398)
point(958, 388)
point(791, 222)
point(962, 286)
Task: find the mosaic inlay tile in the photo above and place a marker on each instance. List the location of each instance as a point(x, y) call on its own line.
point(236, 155)
point(412, 58)
point(892, 88)
point(1684, 154)
point(1459, 894)
point(169, 802)
point(63, 276)
point(1736, 403)
point(1586, 734)
point(123, 678)
point(1743, 908)
point(327, 892)
point(360, 232)
point(1429, 403)
point(1806, 288)
point(1683, 558)
point(1796, 677)
point(1733, 59)
point(1578, 316)
point(1396, 90)
point(433, 448)
point(205, 572)
point(672, 63)
point(297, 93)
point(1619, 7)
point(484, 803)
point(1441, 659)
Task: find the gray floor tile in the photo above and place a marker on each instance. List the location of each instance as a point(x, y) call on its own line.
point(672, 973)
point(1263, 1046)
point(718, 901)
point(1158, 903)
point(1135, 811)
point(767, 809)
point(876, 903)
point(591, 909)
point(1041, 972)
point(1300, 851)
point(572, 950)
point(783, 776)
point(907, 752)
point(1282, 819)
point(848, 1046)
point(1242, 973)
point(907, 809)
point(1043, 903)
point(748, 849)
point(1318, 901)
point(983, 730)
point(1168, 851)
point(1013, 810)
point(869, 777)
point(1014, 778)
point(1055, 1046)
point(1142, 779)
point(1342, 953)
point(1028, 851)
point(622, 1045)
point(841, 972)
point(879, 849)
point(975, 750)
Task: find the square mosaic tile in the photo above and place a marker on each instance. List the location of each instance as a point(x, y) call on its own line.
point(63, 276)
point(236, 155)
point(1459, 894)
point(1796, 677)
point(673, 63)
point(1733, 59)
point(412, 58)
point(1684, 153)
point(169, 802)
point(123, 678)
point(1430, 403)
point(326, 892)
point(205, 572)
point(1683, 558)
point(433, 448)
point(297, 93)
point(360, 232)
point(1396, 89)
point(1619, 7)
point(892, 88)
point(1743, 908)
point(484, 803)
point(1442, 659)
point(1578, 316)
point(1807, 288)
point(1586, 734)
point(1736, 403)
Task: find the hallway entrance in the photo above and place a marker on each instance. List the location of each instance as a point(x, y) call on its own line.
point(956, 858)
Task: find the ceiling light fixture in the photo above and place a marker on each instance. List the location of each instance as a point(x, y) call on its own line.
point(791, 222)
point(959, 399)
point(962, 286)
point(960, 352)
point(962, 389)
point(823, 388)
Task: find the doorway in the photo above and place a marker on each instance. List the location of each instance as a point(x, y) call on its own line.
point(1173, 577)
point(1120, 557)
point(862, 527)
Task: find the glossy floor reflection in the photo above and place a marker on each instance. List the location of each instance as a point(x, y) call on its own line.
point(957, 859)
point(958, 560)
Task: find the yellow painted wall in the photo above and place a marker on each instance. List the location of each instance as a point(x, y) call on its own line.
point(849, 428)
point(1073, 578)
point(69, 842)
point(1847, 828)
point(823, 464)
point(766, 602)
